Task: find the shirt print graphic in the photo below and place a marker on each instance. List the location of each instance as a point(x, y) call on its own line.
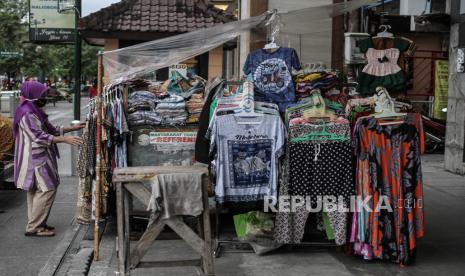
point(272, 76)
point(251, 163)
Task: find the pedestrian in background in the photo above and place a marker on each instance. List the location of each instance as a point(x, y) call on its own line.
point(93, 89)
point(36, 153)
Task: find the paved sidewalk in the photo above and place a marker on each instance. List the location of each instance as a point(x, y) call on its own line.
point(24, 256)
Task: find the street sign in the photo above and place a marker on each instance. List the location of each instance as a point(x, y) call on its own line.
point(9, 54)
point(46, 24)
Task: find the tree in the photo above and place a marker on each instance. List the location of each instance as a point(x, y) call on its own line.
point(89, 61)
point(12, 15)
point(53, 60)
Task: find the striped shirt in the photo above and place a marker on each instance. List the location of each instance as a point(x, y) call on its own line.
point(35, 156)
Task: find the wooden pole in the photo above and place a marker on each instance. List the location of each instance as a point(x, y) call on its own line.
point(98, 168)
point(337, 41)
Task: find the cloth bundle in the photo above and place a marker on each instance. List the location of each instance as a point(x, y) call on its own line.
point(324, 81)
point(141, 109)
point(160, 89)
point(194, 107)
point(172, 110)
point(7, 140)
point(176, 194)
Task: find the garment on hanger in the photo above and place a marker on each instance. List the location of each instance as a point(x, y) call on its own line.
point(380, 43)
point(202, 145)
point(382, 68)
point(84, 201)
point(246, 157)
point(389, 169)
point(271, 74)
point(303, 176)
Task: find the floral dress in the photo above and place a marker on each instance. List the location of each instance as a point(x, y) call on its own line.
point(389, 172)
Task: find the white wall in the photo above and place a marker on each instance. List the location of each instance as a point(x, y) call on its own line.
point(316, 45)
point(412, 7)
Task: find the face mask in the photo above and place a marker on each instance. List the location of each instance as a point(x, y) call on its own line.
point(41, 102)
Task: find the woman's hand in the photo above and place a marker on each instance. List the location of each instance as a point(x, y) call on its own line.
point(73, 140)
point(78, 126)
point(75, 127)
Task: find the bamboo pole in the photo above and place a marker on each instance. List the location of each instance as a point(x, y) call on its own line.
point(98, 168)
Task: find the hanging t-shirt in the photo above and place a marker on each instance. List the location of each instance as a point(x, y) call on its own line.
point(271, 72)
point(246, 161)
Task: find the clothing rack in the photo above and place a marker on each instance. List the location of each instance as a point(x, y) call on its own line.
point(96, 103)
point(247, 104)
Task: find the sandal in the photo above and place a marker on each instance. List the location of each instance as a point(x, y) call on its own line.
point(40, 233)
point(48, 227)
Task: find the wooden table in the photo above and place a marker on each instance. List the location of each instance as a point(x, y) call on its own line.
point(129, 184)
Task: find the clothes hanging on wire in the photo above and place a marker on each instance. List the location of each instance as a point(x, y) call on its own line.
point(113, 151)
point(84, 201)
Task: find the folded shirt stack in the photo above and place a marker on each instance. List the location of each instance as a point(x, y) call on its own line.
point(172, 110)
point(194, 108)
point(141, 109)
point(305, 83)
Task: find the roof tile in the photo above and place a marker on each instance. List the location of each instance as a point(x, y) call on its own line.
point(156, 16)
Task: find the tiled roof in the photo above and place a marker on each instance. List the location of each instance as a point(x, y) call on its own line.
point(155, 16)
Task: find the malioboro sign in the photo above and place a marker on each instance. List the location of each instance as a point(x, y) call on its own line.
point(46, 24)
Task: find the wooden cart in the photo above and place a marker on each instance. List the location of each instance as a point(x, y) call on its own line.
point(129, 184)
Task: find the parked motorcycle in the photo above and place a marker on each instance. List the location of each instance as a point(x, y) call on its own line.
point(435, 134)
point(434, 129)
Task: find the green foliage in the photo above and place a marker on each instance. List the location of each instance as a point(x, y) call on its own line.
point(53, 60)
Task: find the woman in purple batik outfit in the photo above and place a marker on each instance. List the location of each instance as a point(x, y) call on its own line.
point(36, 168)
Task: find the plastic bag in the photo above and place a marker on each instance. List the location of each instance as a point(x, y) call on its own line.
point(253, 225)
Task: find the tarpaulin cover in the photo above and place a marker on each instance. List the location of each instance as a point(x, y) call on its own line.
point(139, 60)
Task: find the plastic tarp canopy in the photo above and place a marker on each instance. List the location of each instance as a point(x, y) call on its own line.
point(142, 59)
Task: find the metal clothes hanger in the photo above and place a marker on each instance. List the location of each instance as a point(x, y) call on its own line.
point(384, 31)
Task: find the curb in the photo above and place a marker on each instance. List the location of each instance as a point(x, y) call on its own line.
point(107, 252)
point(58, 255)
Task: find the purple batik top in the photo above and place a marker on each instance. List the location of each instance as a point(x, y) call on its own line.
point(35, 155)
